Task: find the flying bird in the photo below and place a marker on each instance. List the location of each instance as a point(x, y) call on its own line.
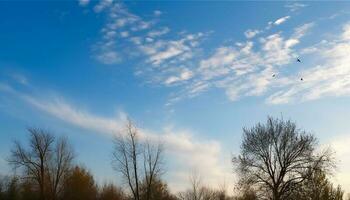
point(301, 79)
point(298, 60)
point(274, 75)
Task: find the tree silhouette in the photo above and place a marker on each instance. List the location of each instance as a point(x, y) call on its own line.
point(46, 161)
point(136, 160)
point(34, 160)
point(276, 158)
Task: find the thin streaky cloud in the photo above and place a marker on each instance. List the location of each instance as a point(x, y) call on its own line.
point(281, 20)
point(251, 33)
point(188, 152)
point(293, 7)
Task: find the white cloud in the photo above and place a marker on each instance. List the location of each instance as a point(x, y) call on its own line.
point(142, 25)
point(330, 76)
point(252, 84)
point(295, 6)
point(136, 40)
point(162, 51)
point(277, 50)
point(251, 33)
point(70, 114)
point(269, 25)
point(124, 34)
point(120, 27)
point(240, 70)
point(203, 156)
point(300, 31)
point(219, 63)
point(346, 33)
point(103, 4)
point(245, 69)
point(184, 75)
point(340, 145)
point(128, 35)
point(110, 34)
point(174, 48)
point(109, 57)
point(84, 2)
point(281, 20)
point(157, 13)
point(157, 33)
point(187, 150)
point(291, 42)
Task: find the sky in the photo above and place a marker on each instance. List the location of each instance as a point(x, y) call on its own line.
point(192, 73)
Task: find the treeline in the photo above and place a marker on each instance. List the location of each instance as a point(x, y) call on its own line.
point(277, 161)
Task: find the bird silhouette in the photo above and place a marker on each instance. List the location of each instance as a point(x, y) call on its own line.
point(274, 75)
point(298, 60)
point(301, 79)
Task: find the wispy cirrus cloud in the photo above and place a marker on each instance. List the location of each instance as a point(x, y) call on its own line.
point(245, 69)
point(128, 35)
point(84, 2)
point(241, 69)
point(66, 112)
point(329, 77)
point(171, 51)
point(251, 33)
point(281, 20)
point(295, 6)
point(120, 26)
point(184, 75)
point(157, 33)
point(183, 145)
point(102, 5)
point(109, 57)
point(168, 55)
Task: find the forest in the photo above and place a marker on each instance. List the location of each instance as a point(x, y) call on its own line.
point(277, 161)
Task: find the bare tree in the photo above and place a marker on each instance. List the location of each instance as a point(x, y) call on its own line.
point(126, 155)
point(45, 161)
point(59, 166)
point(130, 153)
point(203, 193)
point(276, 157)
point(34, 160)
point(152, 161)
point(246, 194)
point(222, 192)
point(196, 186)
point(198, 191)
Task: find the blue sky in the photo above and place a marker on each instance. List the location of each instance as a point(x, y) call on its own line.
point(192, 73)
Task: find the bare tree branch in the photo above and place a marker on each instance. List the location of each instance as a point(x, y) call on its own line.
point(276, 157)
